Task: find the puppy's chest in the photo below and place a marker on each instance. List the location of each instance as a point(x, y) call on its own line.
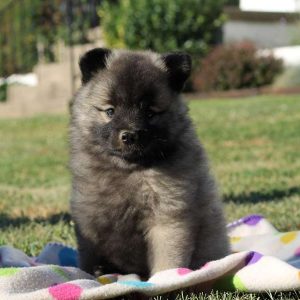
point(136, 197)
point(131, 205)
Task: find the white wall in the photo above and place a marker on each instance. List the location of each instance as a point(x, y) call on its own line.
point(290, 55)
point(263, 34)
point(284, 6)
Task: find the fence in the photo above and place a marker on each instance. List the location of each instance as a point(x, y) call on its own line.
point(29, 30)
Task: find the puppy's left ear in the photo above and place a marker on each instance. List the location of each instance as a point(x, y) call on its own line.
point(93, 61)
point(179, 66)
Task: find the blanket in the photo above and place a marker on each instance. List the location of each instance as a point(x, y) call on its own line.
point(263, 259)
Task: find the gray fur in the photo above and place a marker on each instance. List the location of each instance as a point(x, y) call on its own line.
point(157, 207)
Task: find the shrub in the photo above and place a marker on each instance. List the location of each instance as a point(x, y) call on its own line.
point(232, 2)
point(25, 24)
point(163, 25)
point(236, 66)
point(3, 91)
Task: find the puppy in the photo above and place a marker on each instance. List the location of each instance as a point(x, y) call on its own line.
point(143, 199)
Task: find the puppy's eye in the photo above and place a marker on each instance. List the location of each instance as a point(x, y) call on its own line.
point(110, 112)
point(150, 114)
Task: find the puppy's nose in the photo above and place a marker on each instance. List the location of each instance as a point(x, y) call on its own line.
point(128, 137)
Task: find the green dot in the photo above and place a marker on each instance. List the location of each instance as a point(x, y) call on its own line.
point(8, 271)
point(224, 283)
point(60, 272)
point(229, 283)
point(237, 282)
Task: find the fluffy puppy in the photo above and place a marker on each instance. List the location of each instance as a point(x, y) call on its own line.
point(143, 199)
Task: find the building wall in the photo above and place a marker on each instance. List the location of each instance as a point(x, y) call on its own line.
point(270, 5)
point(263, 34)
point(265, 29)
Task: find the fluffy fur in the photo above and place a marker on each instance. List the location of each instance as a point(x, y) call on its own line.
point(147, 203)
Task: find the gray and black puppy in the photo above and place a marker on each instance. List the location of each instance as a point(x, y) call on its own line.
point(143, 199)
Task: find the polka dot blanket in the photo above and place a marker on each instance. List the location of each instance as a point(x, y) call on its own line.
point(263, 259)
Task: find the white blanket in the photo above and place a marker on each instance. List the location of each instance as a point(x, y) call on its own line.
point(263, 260)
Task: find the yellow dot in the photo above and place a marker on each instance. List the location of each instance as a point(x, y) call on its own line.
point(288, 237)
point(104, 280)
point(235, 239)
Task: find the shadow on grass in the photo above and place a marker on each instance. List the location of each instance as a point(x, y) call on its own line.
point(8, 221)
point(262, 196)
point(252, 197)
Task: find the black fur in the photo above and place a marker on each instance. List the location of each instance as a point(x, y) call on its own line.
point(151, 204)
point(179, 67)
point(93, 61)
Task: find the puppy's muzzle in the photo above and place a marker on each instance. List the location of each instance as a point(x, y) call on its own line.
point(128, 137)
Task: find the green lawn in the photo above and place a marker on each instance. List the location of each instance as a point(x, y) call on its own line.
point(253, 144)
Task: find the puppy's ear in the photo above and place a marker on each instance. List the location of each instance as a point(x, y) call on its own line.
point(93, 61)
point(179, 66)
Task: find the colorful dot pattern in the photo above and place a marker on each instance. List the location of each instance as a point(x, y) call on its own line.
point(235, 239)
point(246, 272)
point(8, 271)
point(138, 284)
point(107, 279)
point(238, 284)
point(252, 258)
point(60, 271)
point(68, 257)
point(183, 271)
point(252, 220)
point(288, 237)
point(65, 291)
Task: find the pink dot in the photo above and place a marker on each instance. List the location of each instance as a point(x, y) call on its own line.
point(297, 252)
point(183, 271)
point(65, 291)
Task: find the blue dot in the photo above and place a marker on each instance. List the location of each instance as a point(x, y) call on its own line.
point(68, 257)
point(140, 284)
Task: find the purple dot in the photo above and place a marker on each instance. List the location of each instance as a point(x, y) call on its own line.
point(297, 252)
point(252, 258)
point(252, 220)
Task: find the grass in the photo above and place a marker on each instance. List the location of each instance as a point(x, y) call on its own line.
point(253, 145)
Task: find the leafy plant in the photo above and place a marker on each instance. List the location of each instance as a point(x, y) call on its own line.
point(232, 2)
point(162, 25)
point(30, 29)
point(236, 66)
point(3, 92)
